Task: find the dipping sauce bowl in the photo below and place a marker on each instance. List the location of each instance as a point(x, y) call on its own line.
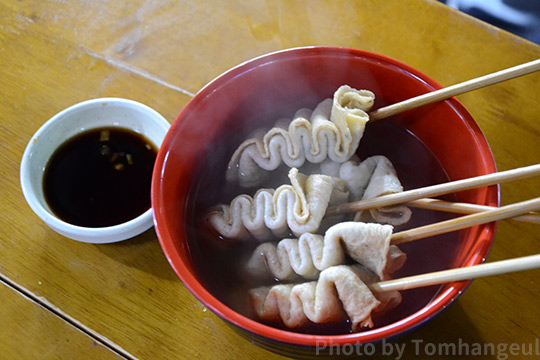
point(111, 113)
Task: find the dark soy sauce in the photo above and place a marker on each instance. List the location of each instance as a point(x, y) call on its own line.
point(100, 177)
point(219, 262)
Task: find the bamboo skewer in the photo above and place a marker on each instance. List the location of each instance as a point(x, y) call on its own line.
point(435, 190)
point(463, 222)
point(466, 209)
point(459, 274)
point(478, 214)
point(456, 89)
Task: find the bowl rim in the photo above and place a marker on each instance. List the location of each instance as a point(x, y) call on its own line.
point(448, 296)
point(97, 235)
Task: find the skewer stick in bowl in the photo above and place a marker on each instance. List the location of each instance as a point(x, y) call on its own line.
point(459, 274)
point(435, 190)
point(463, 222)
point(466, 209)
point(454, 90)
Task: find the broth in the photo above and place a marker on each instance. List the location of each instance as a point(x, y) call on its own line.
point(217, 261)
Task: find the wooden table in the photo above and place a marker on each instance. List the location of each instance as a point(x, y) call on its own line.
point(62, 299)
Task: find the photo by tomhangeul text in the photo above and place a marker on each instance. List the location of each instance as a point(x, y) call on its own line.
point(501, 351)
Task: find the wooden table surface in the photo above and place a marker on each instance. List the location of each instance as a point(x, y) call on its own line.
point(63, 299)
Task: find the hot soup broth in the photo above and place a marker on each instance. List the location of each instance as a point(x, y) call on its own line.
point(219, 261)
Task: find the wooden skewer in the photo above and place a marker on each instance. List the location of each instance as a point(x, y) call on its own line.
point(435, 190)
point(463, 222)
point(459, 274)
point(465, 209)
point(456, 89)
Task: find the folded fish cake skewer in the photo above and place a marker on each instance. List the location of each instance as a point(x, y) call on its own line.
point(366, 243)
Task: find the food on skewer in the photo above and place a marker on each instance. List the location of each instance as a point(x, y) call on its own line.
point(339, 288)
point(351, 254)
point(365, 243)
point(299, 207)
point(368, 179)
point(332, 131)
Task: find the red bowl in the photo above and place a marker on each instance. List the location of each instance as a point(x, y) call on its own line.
point(276, 85)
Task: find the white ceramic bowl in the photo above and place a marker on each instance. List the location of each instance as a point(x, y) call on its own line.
point(84, 116)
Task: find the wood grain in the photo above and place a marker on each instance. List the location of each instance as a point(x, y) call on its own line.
point(31, 335)
point(54, 54)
